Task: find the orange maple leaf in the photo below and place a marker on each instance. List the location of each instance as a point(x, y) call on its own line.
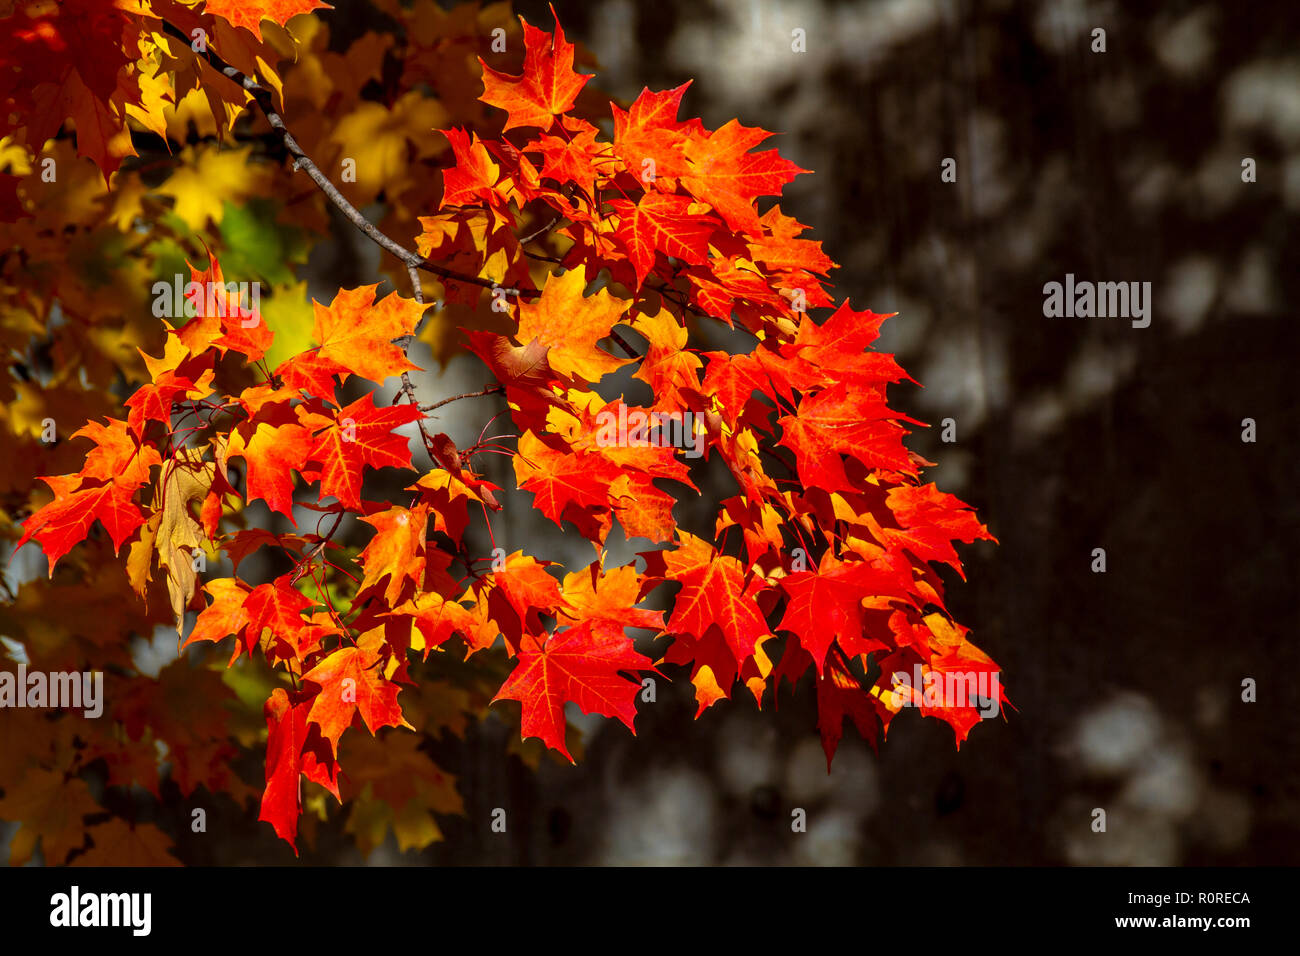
point(547, 87)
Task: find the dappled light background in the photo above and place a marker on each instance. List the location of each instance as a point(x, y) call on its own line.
point(1072, 434)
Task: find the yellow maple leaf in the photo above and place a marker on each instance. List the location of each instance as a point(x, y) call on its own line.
point(375, 138)
point(206, 176)
point(570, 324)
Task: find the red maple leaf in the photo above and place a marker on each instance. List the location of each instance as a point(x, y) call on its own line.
point(64, 521)
point(272, 445)
point(547, 87)
point(575, 664)
point(727, 176)
point(358, 436)
point(827, 604)
point(350, 682)
point(715, 595)
point(649, 137)
point(662, 223)
point(292, 751)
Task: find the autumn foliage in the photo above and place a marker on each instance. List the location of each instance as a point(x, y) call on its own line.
point(586, 254)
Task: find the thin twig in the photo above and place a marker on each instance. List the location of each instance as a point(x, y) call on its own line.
point(262, 97)
point(305, 561)
point(408, 387)
point(486, 390)
point(524, 240)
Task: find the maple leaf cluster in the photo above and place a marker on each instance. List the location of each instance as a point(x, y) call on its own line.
point(599, 248)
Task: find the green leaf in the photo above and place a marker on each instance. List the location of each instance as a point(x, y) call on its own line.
point(288, 313)
point(255, 244)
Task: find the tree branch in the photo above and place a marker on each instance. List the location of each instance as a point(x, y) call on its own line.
point(524, 240)
point(408, 387)
point(262, 97)
point(486, 390)
point(414, 262)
